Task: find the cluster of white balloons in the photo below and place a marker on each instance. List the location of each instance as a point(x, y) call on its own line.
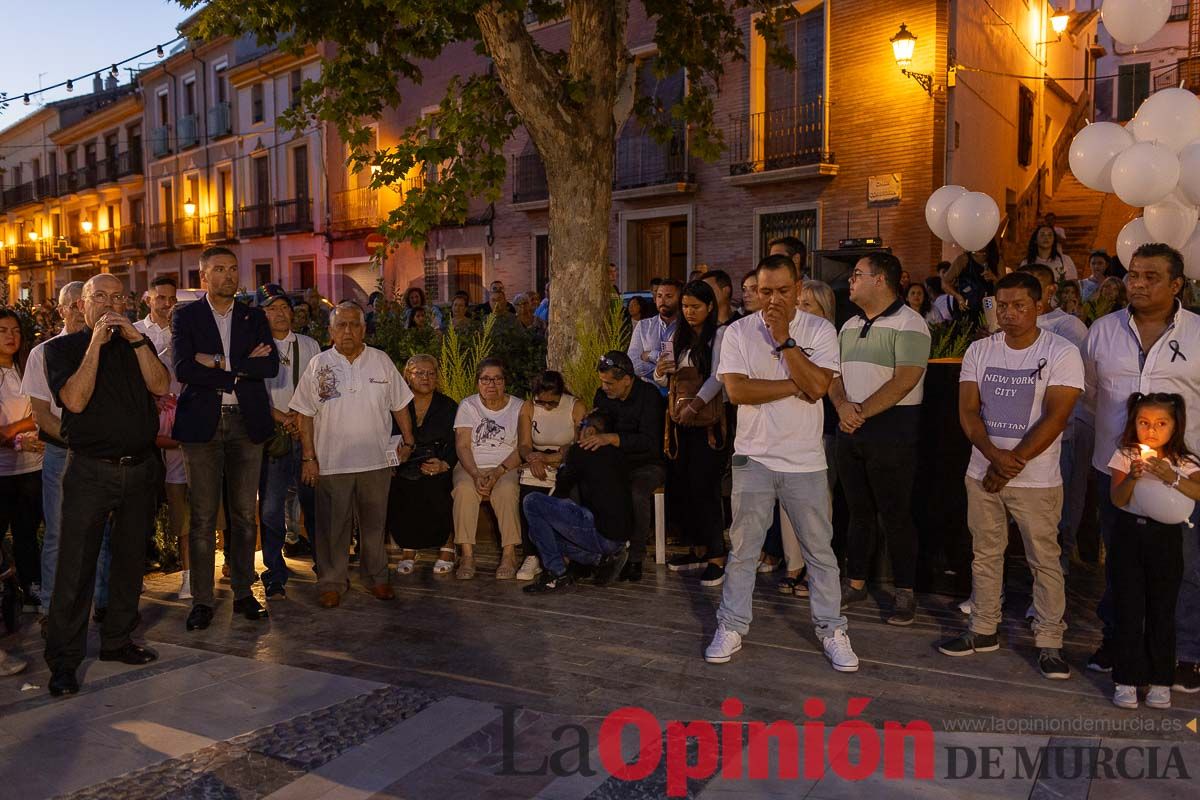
point(1135, 21)
point(1153, 162)
point(969, 219)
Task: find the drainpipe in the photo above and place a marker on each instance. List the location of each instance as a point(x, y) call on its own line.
point(204, 136)
point(951, 48)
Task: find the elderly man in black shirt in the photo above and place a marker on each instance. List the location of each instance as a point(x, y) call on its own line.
point(637, 411)
point(105, 377)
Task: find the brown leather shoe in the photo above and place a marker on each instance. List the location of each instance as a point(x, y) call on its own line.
point(330, 599)
point(383, 591)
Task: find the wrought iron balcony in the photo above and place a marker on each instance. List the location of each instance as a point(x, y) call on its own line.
point(219, 227)
point(78, 179)
point(119, 166)
point(162, 236)
point(19, 195)
point(643, 161)
point(293, 215)
point(160, 141)
point(187, 231)
point(779, 139)
point(187, 131)
point(131, 237)
point(354, 209)
point(219, 121)
point(1179, 11)
point(256, 220)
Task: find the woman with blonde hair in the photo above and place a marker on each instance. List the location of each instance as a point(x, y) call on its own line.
point(420, 505)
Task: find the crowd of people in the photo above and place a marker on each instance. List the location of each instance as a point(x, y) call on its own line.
point(238, 417)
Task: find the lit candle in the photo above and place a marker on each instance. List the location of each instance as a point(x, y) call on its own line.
point(1147, 451)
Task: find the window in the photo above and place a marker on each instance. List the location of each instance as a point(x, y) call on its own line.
point(801, 223)
point(261, 172)
point(221, 84)
point(1104, 99)
point(295, 81)
point(805, 38)
point(193, 278)
point(307, 273)
point(256, 103)
point(164, 109)
point(1133, 86)
point(641, 161)
point(189, 98)
point(110, 146)
point(541, 260)
point(1024, 126)
point(89, 154)
point(300, 172)
point(262, 273)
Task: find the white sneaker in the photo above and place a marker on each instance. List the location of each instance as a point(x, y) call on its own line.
point(840, 653)
point(1159, 696)
point(966, 607)
point(185, 585)
point(724, 644)
point(531, 567)
point(1125, 696)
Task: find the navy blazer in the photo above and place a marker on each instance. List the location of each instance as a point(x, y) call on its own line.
point(193, 330)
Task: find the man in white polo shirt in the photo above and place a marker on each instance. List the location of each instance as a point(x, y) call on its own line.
point(348, 398)
point(1151, 346)
point(776, 365)
point(1017, 390)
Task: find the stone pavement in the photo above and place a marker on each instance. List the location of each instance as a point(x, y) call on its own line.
point(470, 689)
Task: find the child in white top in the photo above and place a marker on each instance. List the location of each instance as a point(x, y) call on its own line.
point(1154, 486)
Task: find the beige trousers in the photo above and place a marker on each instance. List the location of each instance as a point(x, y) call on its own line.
point(1037, 512)
point(505, 500)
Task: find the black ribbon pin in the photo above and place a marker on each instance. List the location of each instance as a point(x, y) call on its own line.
point(1041, 366)
point(1175, 351)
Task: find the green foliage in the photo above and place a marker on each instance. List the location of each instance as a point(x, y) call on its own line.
point(460, 357)
point(400, 342)
point(594, 341)
point(951, 339)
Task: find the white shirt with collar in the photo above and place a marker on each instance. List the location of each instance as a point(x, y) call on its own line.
point(225, 329)
point(1116, 367)
point(159, 336)
point(34, 382)
point(351, 404)
point(648, 337)
point(1068, 326)
point(282, 386)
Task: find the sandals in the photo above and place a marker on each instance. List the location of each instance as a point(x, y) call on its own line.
point(443, 566)
point(405, 566)
point(466, 569)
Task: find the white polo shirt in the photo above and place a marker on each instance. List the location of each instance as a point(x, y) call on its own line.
point(1116, 367)
point(1068, 326)
point(282, 386)
point(159, 337)
point(783, 435)
point(33, 381)
point(352, 405)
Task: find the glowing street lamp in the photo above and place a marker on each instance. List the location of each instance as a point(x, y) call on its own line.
point(1058, 21)
point(903, 44)
point(86, 225)
point(189, 207)
point(33, 237)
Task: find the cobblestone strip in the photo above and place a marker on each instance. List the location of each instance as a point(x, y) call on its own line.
point(258, 763)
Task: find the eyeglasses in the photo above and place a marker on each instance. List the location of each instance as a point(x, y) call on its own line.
point(105, 297)
point(491, 380)
point(858, 274)
point(423, 373)
point(547, 404)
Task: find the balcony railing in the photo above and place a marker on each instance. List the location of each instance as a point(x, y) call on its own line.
point(219, 121)
point(529, 179)
point(162, 235)
point(119, 166)
point(17, 195)
point(131, 237)
point(160, 140)
point(187, 131)
point(1179, 11)
point(1166, 79)
point(187, 231)
point(779, 139)
point(78, 179)
point(256, 220)
point(643, 161)
point(29, 252)
point(354, 209)
point(219, 227)
point(46, 186)
point(293, 215)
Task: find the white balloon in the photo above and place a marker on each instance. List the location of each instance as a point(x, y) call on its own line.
point(1170, 117)
point(936, 207)
point(1134, 21)
point(1092, 153)
point(973, 220)
point(1191, 256)
point(1161, 502)
point(1171, 220)
point(1144, 174)
point(1189, 173)
point(1131, 237)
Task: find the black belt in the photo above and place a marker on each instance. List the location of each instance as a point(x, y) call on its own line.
point(230, 408)
point(122, 461)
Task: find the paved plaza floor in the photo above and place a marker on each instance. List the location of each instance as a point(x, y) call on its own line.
point(472, 689)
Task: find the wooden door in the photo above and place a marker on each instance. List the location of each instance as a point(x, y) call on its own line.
point(654, 252)
point(465, 274)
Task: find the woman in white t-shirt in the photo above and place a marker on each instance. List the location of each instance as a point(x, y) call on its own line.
point(485, 437)
point(1043, 249)
point(20, 462)
point(1154, 487)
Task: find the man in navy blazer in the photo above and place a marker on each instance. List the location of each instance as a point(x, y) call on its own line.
point(223, 352)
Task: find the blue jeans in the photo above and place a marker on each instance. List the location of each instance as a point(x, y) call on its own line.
point(277, 477)
point(54, 463)
point(804, 497)
point(560, 528)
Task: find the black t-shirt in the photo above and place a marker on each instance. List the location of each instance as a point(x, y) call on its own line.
point(121, 418)
point(638, 420)
point(601, 480)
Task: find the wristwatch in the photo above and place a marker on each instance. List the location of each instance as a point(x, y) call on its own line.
point(787, 345)
point(140, 342)
point(219, 360)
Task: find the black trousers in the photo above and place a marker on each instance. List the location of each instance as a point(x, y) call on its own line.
point(21, 508)
point(877, 477)
point(1147, 569)
point(644, 480)
point(93, 490)
point(694, 489)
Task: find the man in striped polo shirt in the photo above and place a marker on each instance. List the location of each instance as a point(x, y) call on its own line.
point(884, 350)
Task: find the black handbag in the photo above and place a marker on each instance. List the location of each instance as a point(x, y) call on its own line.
point(411, 469)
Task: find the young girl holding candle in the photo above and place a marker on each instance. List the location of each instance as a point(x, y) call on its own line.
point(1146, 553)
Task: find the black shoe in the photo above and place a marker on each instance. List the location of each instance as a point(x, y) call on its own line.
point(970, 643)
point(685, 562)
point(850, 595)
point(547, 583)
point(130, 654)
point(1052, 664)
point(298, 549)
point(1187, 677)
point(713, 575)
point(1102, 659)
point(199, 618)
point(904, 609)
point(99, 614)
point(610, 567)
point(276, 591)
point(63, 681)
point(250, 608)
point(632, 571)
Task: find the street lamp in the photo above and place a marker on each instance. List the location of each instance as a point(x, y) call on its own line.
point(86, 225)
point(189, 207)
point(1058, 21)
point(33, 237)
point(903, 44)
